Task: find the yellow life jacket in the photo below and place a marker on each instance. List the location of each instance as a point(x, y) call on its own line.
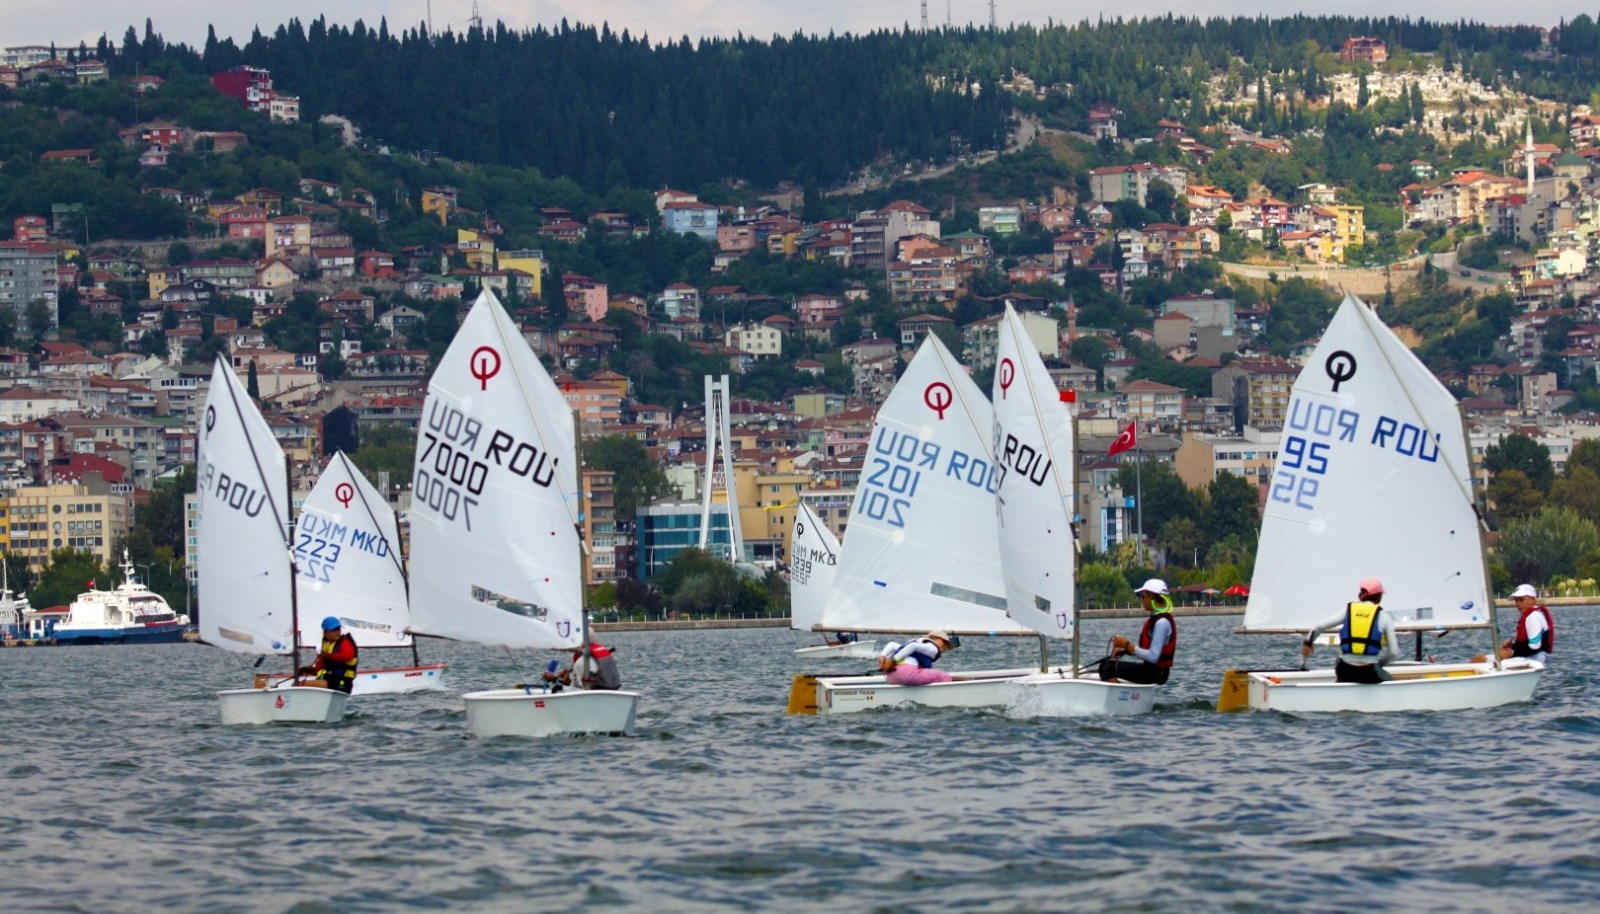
point(1360, 635)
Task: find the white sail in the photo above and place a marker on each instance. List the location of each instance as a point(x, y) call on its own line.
point(347, 552)
point(243, 551)
point(1373, 479)
point(1034, 447)
point(494, 547)
point(813, 559)
point(921, 551)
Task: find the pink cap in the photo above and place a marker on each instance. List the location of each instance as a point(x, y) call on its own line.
point(1371, 587)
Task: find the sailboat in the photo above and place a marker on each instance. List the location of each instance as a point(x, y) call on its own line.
point(813, 556)
point(921, 552)
point(1035, 447)
point(347, 550)
point(496, 555)
point(246, 569)
point(1373, 479)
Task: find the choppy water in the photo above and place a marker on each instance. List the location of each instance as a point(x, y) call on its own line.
point(122, 793)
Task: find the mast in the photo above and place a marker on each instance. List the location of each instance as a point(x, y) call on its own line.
point(583, 547)
point(1077, 628)
point(294, 572)
point(1483, 553)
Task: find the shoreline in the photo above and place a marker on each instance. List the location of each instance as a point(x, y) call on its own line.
point(1111, 612)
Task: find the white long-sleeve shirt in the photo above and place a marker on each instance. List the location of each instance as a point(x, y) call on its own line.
point(1386, 654)
point(1159, 634)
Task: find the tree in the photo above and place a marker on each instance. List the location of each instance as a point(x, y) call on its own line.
point(1513, 496)
point(1519, 452)
point(40, 317)
point(1166, 497)
point(386, 449)
point(69, 573)
point(639, 481)
point(252, 384)
point(1578, 489)
point(1232, 508)
point(1547, 545)
point(1101, 584)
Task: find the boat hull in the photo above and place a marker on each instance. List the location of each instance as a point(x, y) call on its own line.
point(393, 681)
point(1059, 695)
point(291, 705)
point(529, 712)
point(1418, 687)
point(857, 650)
point(154, 634)
point(977, 689)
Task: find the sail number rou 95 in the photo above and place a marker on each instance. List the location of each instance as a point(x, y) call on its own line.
point(1297, 480)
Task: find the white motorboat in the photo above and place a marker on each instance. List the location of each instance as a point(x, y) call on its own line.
point(246, 573)
point(922, 549)
point(1373, 479)
point(131, 613)
point(495, 547)
point(1036, 449)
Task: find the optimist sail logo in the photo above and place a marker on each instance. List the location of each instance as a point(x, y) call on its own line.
point(484, 364)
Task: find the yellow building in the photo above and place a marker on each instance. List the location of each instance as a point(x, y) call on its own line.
point(1351, 227)
point(527, 261)
point(478, 249)
point(88, 516)
point(439, 202)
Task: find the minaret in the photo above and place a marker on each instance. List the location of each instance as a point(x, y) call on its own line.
point(1072, 322)
point(1528, 154)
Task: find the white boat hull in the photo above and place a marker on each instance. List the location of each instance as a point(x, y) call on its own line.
point(1417, 687)
point(395, 681)
point(1059, 695)
point(856, 650)
point(977, 689)
point(523, 712)
point(291, 705)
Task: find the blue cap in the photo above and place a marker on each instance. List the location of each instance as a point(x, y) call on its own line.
point(331, 623)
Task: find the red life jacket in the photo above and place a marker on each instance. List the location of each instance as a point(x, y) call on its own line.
point(1520, 646)
point(1168, 650)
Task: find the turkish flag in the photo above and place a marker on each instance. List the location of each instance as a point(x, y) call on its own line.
point(1128, 439)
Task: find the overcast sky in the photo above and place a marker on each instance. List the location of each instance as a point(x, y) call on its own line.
point(39, 22)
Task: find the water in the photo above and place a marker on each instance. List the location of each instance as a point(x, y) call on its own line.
point(122, 793)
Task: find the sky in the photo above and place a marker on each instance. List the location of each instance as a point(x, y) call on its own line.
point(36, 22)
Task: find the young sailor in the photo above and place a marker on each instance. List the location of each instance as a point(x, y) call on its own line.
point(336, 661)
point(1366, 637)
point(1149, 662)
point(911, 663)
point(597, 671)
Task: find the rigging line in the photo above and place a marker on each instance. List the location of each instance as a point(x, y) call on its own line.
point(394, 548)
point(1044, 433)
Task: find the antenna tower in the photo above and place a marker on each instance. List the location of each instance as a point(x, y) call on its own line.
point(477, 20)
point(992, 25)
point(924, 15)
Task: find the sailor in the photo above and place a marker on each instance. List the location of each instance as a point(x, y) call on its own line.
point(597, 671)
point(1366, 637)
point(1149, 662)
point(336, 661)
point(1536, 630)
point(911, 663)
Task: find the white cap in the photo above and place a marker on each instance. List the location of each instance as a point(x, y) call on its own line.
point(1524, 590)
point(1154, 585)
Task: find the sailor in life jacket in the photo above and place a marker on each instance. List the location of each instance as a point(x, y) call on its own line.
point(598, 670)
point(1149, 661)
point(336, 661)
point(911, 662)
point(1366, 637)
point(1536, 629)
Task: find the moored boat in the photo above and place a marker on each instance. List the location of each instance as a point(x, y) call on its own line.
point(130, 614)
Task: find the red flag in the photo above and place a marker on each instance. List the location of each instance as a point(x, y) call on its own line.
point(1069, 396)
point(1128, 439)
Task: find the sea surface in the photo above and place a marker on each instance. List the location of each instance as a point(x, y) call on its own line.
point(122, 793)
